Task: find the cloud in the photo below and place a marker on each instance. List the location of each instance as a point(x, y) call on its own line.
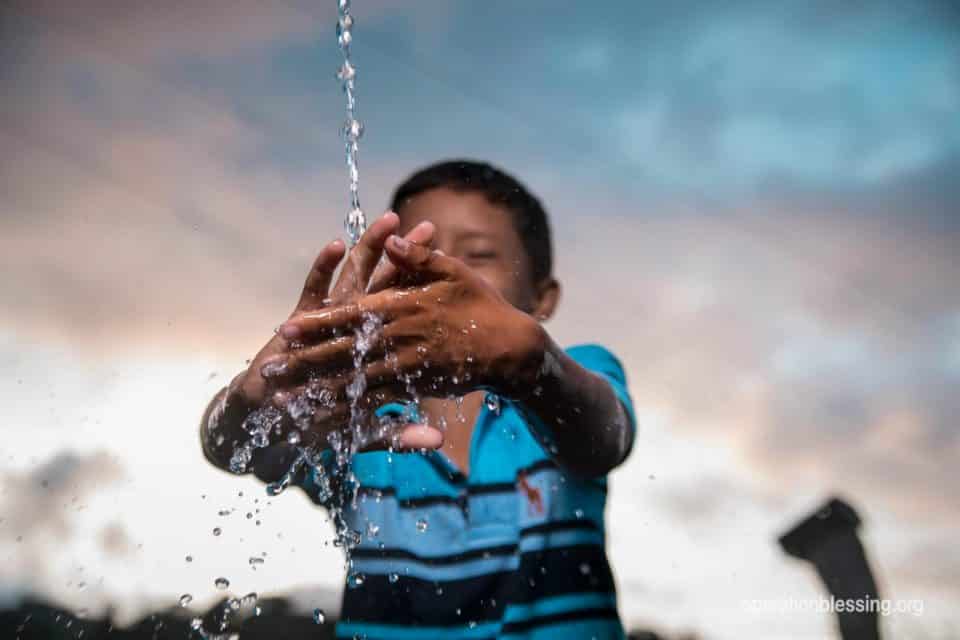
point(114, 540)
point(724, 99)
point(816, 347)
point(40, 506)
point(146, 32)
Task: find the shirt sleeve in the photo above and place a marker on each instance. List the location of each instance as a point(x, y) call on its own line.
point(600, 361)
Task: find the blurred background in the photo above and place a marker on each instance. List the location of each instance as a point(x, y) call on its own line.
point(754, 207)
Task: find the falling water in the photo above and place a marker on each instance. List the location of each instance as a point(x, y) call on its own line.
point(337, 483)
point(356, 221)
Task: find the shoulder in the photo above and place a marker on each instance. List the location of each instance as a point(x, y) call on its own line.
point(597, 358)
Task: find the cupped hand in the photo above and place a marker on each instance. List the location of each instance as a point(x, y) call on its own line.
point(362, 269)
point(445, 331)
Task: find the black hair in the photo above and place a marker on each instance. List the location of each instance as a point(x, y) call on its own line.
point(499, 188)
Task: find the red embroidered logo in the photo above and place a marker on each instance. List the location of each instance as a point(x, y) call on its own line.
point(534, 499)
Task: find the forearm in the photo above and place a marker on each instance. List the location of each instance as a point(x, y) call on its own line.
point(574, 411)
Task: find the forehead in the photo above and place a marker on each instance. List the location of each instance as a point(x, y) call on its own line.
point(457, 214)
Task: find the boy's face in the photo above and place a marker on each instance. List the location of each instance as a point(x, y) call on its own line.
point(480, 234)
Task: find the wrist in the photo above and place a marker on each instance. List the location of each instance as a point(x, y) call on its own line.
point(523, 363)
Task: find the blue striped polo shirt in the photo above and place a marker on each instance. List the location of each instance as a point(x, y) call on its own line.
point(515, 550)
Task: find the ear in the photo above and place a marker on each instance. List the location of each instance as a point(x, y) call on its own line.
point(547, 298)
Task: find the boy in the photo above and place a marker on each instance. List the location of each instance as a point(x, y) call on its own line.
point(492, 524)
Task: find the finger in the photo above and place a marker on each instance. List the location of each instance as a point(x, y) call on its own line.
point(321, 273)
point(422, 262)
point(330, 395)
point(325, 358)
point(319, 322)
point(338, 356)
point(386, 272)
point(405, 363)
point(420, 436)
point(386, 305)
point(364, 256)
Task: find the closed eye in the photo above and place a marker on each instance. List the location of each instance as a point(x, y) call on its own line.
point(481, 255)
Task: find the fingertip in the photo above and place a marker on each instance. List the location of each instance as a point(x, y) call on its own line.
point(290, 330)
point(423, 232)
point(421, 436)
point(337, 247)
point(398, 244)
point(388, 221)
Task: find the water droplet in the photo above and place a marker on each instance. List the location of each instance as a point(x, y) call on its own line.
point(217, 531)
point(393, 577)
point(189, 559)
point(346, 72)
point(584, 568)
point(355, 580)
point(372, 530)
point(221, 583)
point(185, 599)
point(254, 561)
point(344, 37)
point(578, 514)
point(224, 512)
point(293, 438)
point(318, 616)
point(422, 525)
point(352, 130)
point(355, 224)
point(249, 516)
point(493, 403)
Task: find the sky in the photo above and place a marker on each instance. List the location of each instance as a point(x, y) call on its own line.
point(754, 208)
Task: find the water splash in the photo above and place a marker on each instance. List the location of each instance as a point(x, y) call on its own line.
point(332, 473)
point(231, 607)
